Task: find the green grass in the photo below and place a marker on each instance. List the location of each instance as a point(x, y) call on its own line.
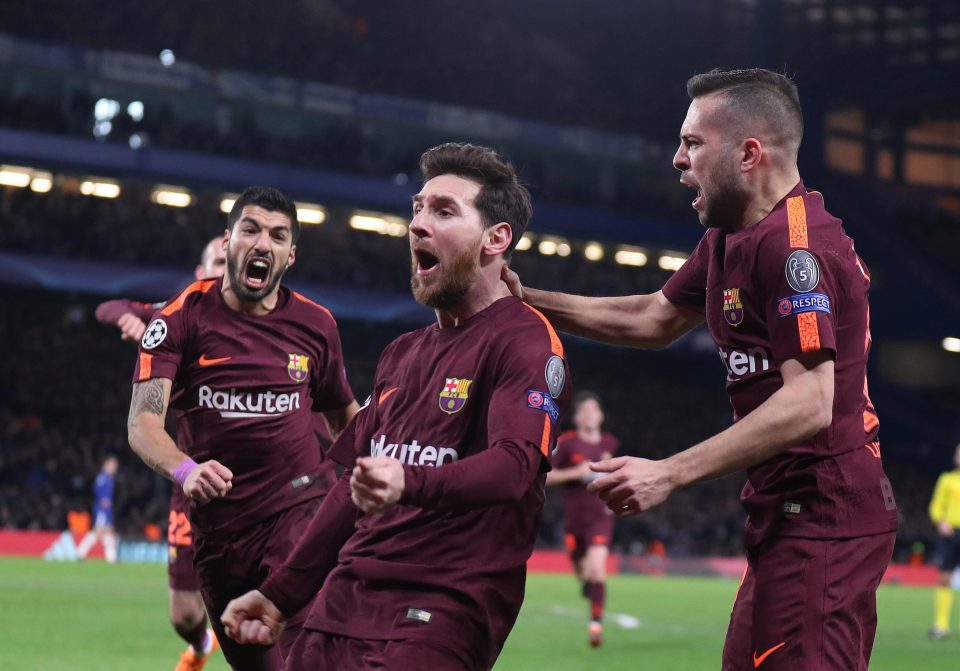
point(95, 617)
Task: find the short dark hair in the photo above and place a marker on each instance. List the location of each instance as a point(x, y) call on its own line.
point(270, 199)
point(757, 94)
point(502, 196)
point(582, 397)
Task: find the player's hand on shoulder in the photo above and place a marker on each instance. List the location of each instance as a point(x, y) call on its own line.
point(376, 483)
point(209, 480)
point(631, 485)
point(131, 326)
point(512, 280)
point(252, 618)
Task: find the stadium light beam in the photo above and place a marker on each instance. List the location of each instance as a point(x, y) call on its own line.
point(593, 251)
point(11, 175)
point(671, 261)
point(42, 182)
point(373, 222)
point(100, 189)
point(547, 247)
point(627, 255)
point(171, 196)
point(524, 243)
point(951, 344)
point(308, 213)
point(226, 203)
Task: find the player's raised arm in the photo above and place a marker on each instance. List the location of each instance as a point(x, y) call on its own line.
point(649, 321)
point(801, 408)
point(150, 440)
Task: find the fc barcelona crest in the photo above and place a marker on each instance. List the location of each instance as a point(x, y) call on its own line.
point(298, 367)
point(454, 394)
point(732, 307)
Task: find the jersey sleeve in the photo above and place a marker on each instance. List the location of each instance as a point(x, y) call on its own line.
point(798, 289)
point(532, 388)
point(687, 288)
point(162, 344)
point(330, 388)
point(110, 312)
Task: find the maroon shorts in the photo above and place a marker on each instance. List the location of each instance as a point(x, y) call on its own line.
point(578, 539)
point(233, 563)
point(182, 576)
point(316, 650)
point(807, 604)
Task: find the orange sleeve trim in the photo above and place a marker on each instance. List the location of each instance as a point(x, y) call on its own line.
point(203, 286)
point(316, 305)
point(797, 221)
point(809, 331)
point(146, 366)
point(545, 440)
point(555, 345)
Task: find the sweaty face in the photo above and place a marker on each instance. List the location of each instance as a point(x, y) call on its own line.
point(259, 252)
point(446, 234)
point(588, 415)
point(708, 159)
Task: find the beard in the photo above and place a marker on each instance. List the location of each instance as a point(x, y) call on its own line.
point(456, 277)
point(725, 207)
point(243, 292)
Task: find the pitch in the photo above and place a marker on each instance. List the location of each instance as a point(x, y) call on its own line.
point(95, 617)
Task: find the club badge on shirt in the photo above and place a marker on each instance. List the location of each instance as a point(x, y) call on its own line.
point(732, 307)
point(298, 367)
point(454, 394)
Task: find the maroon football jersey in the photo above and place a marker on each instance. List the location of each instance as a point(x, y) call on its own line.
point(581, 508)
point(791, 284)
point(452, 576)
point(244, 390)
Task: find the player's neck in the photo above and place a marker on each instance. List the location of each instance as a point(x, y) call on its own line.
point(768, 193)
point(590, 435)
point(485, 292)
point(261, 307)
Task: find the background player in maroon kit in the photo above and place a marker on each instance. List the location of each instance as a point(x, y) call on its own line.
point(243, 361)
point(587, 522)
point(785, 297)
point(187, 615)
point(446, 461)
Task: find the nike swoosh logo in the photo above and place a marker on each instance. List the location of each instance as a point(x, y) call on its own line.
point(204, 361)
point(387, 394)
point(758, 660)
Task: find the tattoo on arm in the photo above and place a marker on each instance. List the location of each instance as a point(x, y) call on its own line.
point(147, 397)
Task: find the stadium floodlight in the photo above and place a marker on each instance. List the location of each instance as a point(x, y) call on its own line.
point(628, 255)
point(671, 260)
point(12, 175)
point(167, 58)
point(524, 243)
point(547, 247)
point(951, 344)
point(42, 182)
point(135, 110)
point(563, 248)
point(308, 213)
point(105, 109)
point(593, 251)
point(374, 222)
point(226, 203)
point(99, 188)
point(171, 196)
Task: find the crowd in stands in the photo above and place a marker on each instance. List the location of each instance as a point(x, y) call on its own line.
point(132, 229)
point(68, 405)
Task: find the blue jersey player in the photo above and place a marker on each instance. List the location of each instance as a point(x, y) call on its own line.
point(102, 513)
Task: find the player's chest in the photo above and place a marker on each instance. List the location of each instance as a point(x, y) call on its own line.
point(435, 396)
point(735, 310)
point(250, 356)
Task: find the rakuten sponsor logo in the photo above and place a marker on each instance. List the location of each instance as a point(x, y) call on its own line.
point(413, 453)
point(739, 363)
point(233, 404)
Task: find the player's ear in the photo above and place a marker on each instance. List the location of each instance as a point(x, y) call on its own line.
point(752, 153)
point(292, 257)
point(226, 238)
point(497, 239)
point(198, 272)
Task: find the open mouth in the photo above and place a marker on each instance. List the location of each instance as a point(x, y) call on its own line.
point(698, 201)
point(256, 273)
point(426, 262)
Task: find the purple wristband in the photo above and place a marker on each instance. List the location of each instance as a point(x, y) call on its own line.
point(181, 472)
